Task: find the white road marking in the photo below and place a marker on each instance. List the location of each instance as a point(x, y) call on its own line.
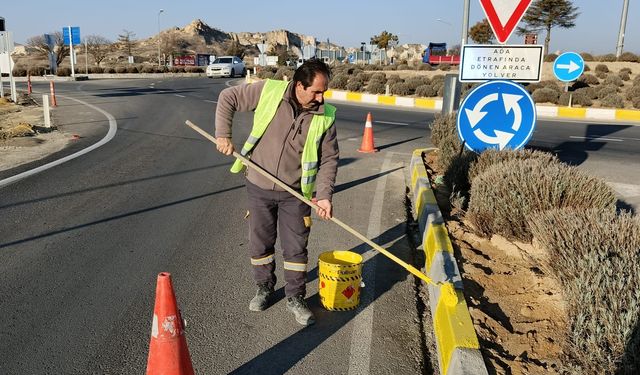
point(390, 123)
point(360, 353)
point(113, 127)
point(180, 96)
point(597, 138)
point(211, 101)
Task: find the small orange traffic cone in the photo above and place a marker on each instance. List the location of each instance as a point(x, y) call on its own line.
point(367, 137)
point(168, 352)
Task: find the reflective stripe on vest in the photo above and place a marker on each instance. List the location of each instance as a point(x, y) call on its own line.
point(270, 98)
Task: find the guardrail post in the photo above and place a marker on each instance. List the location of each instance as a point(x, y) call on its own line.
point(47, 115)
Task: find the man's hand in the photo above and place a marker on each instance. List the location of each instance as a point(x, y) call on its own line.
point(324, 208)
point(225, 146)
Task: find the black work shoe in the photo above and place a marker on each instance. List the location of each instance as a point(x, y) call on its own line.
point(298, 306)
point(261, 301)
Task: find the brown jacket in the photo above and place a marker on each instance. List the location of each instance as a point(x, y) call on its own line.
point(279, 151)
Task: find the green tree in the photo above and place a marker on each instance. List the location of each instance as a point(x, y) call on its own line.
point(547, 14)
point(481, 33)
point(382, 40)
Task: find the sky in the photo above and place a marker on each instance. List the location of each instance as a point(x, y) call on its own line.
point(346, 23)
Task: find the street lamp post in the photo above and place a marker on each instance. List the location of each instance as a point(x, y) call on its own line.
point(161, 10)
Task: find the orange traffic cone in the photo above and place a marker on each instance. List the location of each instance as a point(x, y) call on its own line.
point(367, 137)
point(168, 352)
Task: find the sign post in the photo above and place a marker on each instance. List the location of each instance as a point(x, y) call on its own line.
point(71, 36)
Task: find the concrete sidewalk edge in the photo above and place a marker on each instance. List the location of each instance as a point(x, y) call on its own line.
point(605, 114)
point(456, 340)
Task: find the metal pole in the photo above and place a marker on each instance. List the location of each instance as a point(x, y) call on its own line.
point(161, 10)
point(12, 83)
point(465, 22)
point(86, 58)
point(623, 26)
point(73, 73)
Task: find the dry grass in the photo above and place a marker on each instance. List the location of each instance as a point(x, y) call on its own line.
point(595, 255)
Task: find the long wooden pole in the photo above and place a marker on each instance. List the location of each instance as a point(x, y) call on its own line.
point(276, 181)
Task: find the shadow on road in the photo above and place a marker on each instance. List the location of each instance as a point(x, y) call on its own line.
point(116, 217)
point(284, 355)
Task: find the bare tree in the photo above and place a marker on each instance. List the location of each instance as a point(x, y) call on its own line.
point(126, 40)
point(98, 47)
point(547, 14)
point(40, 44)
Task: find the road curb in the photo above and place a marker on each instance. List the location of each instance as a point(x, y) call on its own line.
point(456, 340)
point(544, 111)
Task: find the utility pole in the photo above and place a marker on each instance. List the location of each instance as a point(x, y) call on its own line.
point(465, 22)
point(623, 26)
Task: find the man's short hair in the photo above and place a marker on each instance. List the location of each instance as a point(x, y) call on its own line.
point(308, 70)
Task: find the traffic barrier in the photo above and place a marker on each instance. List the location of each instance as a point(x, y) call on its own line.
point(168, 351)
point(340, 279)
point(367, 138)
point(456, 340)
point(52, 89)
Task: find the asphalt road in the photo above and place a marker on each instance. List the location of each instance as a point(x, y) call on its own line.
point(82, 243)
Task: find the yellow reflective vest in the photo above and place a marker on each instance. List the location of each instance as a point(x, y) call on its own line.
point(270, 98)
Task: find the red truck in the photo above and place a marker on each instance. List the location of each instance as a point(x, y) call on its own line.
point(436, 54)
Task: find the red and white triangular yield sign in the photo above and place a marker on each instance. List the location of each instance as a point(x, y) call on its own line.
point(504, 15)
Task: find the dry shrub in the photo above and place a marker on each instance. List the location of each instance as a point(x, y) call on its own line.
point(550, 57)
point(376, 87)
point(589, 79)
point(606, 90)
point(628, 57)
point(380, 77)
point(444, 135)
point(122, 69)
point(636, 102)
point(490, 157)
point(444, 67)
point(456, 176)
point(339, 81)
point(613, 79)
point(546, 95)
point(506, 194)
point(414, 82)
point(613, 101)
point(99, 69)
point(355, 85)
point(609, 57)
point(624, 75)
point(589, 92)
point(389, 68)
point(402, 67)
point(21, 130)
point(580, 98)
point(401, 88)
point(426, 67)
point(595, 256)
point(283, 71)
point(633, 92)
point(626, 70)
point(601, 75)
point(602, 68)
point(132, 69)
point(425, 91)
point(586, 56)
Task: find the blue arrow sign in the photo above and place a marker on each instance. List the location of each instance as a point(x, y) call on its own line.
point(496, 114)
point(352, 58)
point(75, 35)
point(568, 66)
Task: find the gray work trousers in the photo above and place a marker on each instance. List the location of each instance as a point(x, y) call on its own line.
point(271, 212)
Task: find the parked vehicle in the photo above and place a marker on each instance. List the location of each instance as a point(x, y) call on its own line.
point(436, 54)
point(226, 66)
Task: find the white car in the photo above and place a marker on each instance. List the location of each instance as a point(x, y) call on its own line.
point(226, 66)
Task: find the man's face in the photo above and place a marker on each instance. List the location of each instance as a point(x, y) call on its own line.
point(312, 96)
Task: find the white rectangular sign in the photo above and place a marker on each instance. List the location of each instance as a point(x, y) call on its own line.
point(485, 62)
point(6, 42)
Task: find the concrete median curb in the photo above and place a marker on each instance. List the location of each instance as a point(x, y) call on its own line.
point(456, 340)
point(435, 104)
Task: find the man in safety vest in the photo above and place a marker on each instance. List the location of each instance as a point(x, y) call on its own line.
point(294, 139)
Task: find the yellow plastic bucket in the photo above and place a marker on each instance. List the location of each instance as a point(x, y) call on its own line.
point(340, 275)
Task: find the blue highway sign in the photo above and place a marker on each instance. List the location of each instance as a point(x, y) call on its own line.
point(75, 35)
point(496, 114)
point(352, 58)
point(568, 66)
